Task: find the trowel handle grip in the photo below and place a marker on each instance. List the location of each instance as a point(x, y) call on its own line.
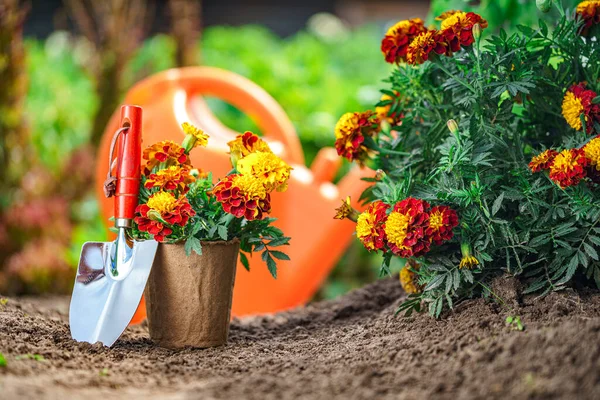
point(129, 155)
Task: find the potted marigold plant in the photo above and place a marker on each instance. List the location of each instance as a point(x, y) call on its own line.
point(488, 156)
point(201, 227)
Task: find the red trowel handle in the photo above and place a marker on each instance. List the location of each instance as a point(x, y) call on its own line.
point(129, 156)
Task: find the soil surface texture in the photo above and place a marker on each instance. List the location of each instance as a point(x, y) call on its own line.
point(350, 348)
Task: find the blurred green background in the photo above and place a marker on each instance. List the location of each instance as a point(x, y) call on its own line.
point(56, 94)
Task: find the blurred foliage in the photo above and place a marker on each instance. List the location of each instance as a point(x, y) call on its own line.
point(505, 14)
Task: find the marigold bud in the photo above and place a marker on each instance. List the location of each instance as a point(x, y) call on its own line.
point(154, 215)
point(544, 5)
point(379, 174)
point(477, 31)
point(452, 126)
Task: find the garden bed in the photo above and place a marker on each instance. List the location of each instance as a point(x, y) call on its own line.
point(352, 347)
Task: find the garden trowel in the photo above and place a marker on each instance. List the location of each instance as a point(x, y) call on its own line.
point(112, 275)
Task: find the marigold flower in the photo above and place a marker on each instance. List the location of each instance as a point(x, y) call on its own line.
point(409, 279)
point(405, 228)
point(161, 212)
point(174, 177)
point(590, 13)
point(383, 112)
point(457, 28)
point(394, 45)
point(592, 153)
point(568, 167)
point(370, 226)
point(243, 196)
point(269, 169)
point(542, 161)
point(350, 133)
point(578, 101)
point(442, 220)
point(245, 144)
point(167, 152)
point(468, 260)
point(346, 211)
point(194, 137)
point(426, 42)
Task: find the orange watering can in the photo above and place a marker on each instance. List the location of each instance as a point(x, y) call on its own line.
point(304, 212)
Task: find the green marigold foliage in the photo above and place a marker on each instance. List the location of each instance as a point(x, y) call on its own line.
point(506, 94)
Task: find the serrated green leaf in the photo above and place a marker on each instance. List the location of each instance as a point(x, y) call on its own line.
point(280, 255)
point(272, 266)
point(222, 231)
point(244, 260)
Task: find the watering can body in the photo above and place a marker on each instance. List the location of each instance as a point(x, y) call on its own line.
point(304, 212)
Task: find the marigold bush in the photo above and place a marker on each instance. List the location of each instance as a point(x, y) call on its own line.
point(487, 156)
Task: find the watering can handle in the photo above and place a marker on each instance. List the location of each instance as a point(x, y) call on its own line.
point(129, 155)
point(230, 87)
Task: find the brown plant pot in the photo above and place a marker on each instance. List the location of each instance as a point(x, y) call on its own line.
point(188, 298)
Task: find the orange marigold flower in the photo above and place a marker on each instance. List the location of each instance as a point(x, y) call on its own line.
point(370, 226)
point(568, 167)
point(174, 177)
point(245, 144)
point(457, 28)
point(394, 45)
point(422, 45)
point(542, 161)
point(167, 152)
point(409, 279)
point(243, 196)
point(383, 112)
point(577, 102)
point(161, 212)
point(442, 220)
point(406, 226)
point(590, 13)
point(350, 133)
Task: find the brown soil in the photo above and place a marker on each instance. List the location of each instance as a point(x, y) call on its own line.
point(352, 347)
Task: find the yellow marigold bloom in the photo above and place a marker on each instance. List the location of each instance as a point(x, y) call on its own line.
point(419, 49)
point(572, 108)
point(592, 152)
point(163, 202)
point(271, 170)
point(590, 13)
point(350, 132)
point(250, 185)
point(369, 226)
point(542, 161)
point(409, 279)
point(396, 228)
point(194, 137)
point(468, 262)
point(247, 143)
point(568, 167)
point(346, 211)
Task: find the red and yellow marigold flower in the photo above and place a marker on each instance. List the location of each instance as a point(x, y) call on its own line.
point(167, 152)
point(346, 211)
point(542, 161)
point(467, 261)
point(406, 226)
point(243, 196)
point(174, 177)
point(370, 226)
point(409, 279)
point(350, 133)
point(568, 167)
point(442, 220)
point(161, 212)
point(268, 168)
point(423, 44)
point(245, 144)
point(577, 102)
point(394, 45)
point(383, 112)
point(457, 28)
point(590, 13)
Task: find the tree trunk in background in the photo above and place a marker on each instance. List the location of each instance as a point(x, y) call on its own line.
point(115, 28)
point(185, 28)
point(13, 89)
